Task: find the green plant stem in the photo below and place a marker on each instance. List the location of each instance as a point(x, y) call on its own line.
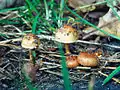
point(32, 56)
point(11, 9)
point(46, 10)
point(35, 24)
point(61, 13)
point(67, 82)
point(111, 75)
point(31, 6)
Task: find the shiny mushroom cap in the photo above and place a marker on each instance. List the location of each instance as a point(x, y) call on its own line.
point(30, 41)
point(88, 59)
point(66, 34)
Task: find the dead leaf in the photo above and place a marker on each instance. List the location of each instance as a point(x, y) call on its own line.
point(109, 23)
point(76, 4)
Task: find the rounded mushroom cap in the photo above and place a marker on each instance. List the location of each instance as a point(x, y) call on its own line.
point(30, 41)
point(71, 61)
point(66, 34)
point(88, 59)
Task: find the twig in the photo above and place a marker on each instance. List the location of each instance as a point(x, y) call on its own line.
point(10, 45)
point(46, 68)
point(112, 61)
point(24, 21)
point(6, 26)
point(109, 68)
point(115, 79)
point(78, 67)
point(59, 74)
point(12, 14)
point(52, 38)
point(10, 40)
point(53, 64)
point(95, 4)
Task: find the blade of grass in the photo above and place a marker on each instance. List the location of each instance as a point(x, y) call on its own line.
point(11, 9)
point(34, 32)
point(31, 6)
point(35, 24)
point(36, 2)
point(67, 82)
point(6, 21)
point(46, 10)
point(34, 56)
point(111, 75)
point(61, 13)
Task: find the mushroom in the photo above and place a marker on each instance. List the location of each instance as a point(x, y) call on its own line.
point(71, 61)
point(88, 59)
point(66, 35)
point(30, 41)
point(30, 70)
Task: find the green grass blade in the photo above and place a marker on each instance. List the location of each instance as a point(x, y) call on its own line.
point(11, 9)
point(111, 75)
point(35, 24)
point(32, 7)
point(46, 10)
point(67, 82)
point(5, 21)
point(61, 13)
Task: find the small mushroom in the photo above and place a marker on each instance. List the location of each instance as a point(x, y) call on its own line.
point(66, 35)
point(71, 61)
point(88, 59)
point(30, 41)
point(30, 70)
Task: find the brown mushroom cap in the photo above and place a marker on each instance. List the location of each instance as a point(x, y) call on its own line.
point(30, 41)
point(87, 59)
point(66, 34)
point(71, 61)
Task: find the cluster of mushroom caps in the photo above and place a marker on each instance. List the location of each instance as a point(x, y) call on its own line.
point(67, 34)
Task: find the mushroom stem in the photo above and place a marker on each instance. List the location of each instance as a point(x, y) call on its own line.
point(31, 57)
point(67, 51)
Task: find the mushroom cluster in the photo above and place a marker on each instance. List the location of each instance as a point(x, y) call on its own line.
point(84, 59)
point(67, 35)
